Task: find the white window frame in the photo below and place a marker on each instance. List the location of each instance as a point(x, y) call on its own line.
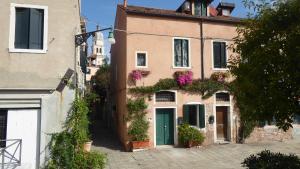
point(173, 53)
point(136, 59)
point(12, 48)
point(212, 55)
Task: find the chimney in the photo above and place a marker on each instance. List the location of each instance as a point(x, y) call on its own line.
point(125, 3)
point(225, 8)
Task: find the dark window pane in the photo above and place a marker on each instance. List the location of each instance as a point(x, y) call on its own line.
point(193, 115)
point(220, 59)
point(223, 97)
point(22, 28)
point(3, 127)
point(36, 29)
point(165, 96)
point(141, 59)
point(297, 119)
point(223, 55)
point(29, 28)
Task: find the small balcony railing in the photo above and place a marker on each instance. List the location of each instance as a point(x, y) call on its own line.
point(10, 153)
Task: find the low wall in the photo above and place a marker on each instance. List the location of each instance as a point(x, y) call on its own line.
point(269, 133)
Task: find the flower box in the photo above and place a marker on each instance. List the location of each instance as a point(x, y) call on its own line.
point(134, 145)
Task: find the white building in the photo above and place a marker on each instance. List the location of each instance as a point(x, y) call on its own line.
point(96, 59)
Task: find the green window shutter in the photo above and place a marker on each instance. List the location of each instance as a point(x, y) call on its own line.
point(204, 9)
point(217, 55)
point(22, 28)
point(185, 113)
point(223, 55)
point(36, 29)
point(201, 116)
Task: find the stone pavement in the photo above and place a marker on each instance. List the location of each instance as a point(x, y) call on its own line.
point(228, 156)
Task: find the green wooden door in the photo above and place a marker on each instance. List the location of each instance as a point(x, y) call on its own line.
point(164, 126)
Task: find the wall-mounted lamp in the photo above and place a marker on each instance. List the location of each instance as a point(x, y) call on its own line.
point(81, 38)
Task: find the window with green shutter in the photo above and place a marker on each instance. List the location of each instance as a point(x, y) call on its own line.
point(194, 115)
point(219, 55)
point(29, 28)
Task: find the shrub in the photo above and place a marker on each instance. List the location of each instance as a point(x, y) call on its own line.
point(270, 160)
point(66, 147)
point(138, 129)
point(188, 134)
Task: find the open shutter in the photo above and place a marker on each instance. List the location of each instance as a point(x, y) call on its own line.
point(36, 29)
point(223, 55)
point(22, 28)
point(217, 56)
point(201, 116)
point(185, 113)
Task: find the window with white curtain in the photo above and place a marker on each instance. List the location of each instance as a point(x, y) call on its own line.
point(181, 53)
point(141, 59)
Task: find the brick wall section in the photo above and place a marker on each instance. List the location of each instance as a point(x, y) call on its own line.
point(269, 133)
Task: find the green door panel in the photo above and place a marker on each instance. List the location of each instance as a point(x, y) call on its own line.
point(160, 135)
point(164, 126)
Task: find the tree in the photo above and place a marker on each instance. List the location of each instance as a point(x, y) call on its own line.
point(267, 65)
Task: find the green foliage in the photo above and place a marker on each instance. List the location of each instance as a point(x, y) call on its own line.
point(187, 133)
point(66, 147)
point(77, 121)
point(136, 108)
point(206, 87)
point(138, 129)
point(267, 78)
point(269, 160)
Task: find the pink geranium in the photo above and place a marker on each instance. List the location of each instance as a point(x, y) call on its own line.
point(136, 75)
point(184, 78)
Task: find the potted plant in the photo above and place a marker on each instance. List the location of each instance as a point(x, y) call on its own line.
point(189, 136)
point(138, 129)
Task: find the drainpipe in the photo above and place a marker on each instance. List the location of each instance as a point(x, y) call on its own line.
point(202, 49)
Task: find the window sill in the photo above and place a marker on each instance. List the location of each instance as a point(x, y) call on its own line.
point(220, 69)
point(13, 50)
point(174, 67)
point(142, 67)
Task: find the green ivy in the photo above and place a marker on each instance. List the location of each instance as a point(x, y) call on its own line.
point(206, 87)
point(138, 129)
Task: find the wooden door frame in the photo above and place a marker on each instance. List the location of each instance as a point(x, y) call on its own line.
point(174, 127)
point(229, 116)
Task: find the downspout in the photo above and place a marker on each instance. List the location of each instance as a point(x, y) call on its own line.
point(202, 49)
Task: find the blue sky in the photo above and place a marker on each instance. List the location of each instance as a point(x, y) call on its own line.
point(103, 12)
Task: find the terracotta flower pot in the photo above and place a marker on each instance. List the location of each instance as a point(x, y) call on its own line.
point(139, 144)
point(190, 144)
point(87, 146)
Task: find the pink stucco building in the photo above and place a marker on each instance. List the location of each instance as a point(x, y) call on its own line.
point(194, 37)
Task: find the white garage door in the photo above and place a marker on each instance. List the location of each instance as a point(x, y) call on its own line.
point(23, 124)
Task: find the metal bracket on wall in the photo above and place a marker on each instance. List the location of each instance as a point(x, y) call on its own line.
point(64, 80)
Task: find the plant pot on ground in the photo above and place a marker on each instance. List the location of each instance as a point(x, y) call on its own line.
point(189, 136)
point(138, 130)
point(87, 146)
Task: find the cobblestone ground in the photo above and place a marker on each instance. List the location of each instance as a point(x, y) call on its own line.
point(228, 156)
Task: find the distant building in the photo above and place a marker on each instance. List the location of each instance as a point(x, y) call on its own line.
point(38, 61)
point(97, 57)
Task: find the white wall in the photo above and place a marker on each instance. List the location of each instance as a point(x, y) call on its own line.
point(23, 124)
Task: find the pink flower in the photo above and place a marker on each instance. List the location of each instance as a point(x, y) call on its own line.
point(136, 75)
point(184, 78)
